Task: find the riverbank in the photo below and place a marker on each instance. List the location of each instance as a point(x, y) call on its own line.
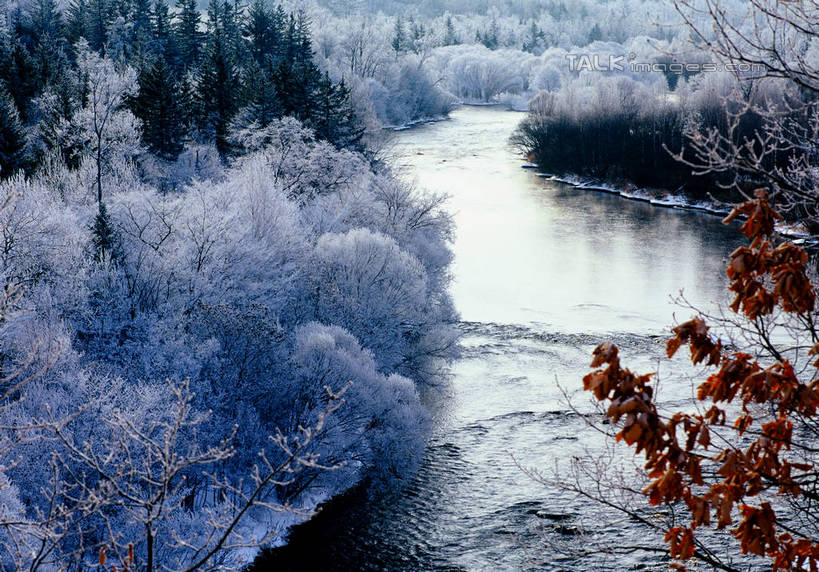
point(667, 199)
point(416, 123)
point(332, 518)
point(438, 118)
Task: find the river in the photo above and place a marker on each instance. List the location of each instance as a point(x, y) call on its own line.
point(543, 272)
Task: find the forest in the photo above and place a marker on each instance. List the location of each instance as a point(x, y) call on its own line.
point(223, 302)
point(670, 105)
point(219, 305)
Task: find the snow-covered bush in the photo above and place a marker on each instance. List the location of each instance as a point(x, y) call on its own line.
point(299, 267)
point(382, 427)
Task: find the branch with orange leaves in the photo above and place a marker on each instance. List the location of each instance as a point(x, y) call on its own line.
point(764, 458)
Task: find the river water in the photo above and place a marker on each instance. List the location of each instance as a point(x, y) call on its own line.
point(543, 272)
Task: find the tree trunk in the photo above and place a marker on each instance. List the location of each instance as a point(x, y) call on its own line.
point(99, 173)
point(149, 567)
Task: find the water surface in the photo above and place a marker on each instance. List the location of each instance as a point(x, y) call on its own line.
point(543, 272)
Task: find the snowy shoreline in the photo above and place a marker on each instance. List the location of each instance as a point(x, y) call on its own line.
point(667, 199)
point(438, 118)
point(416, 123)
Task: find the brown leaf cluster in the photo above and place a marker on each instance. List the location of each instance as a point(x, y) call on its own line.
point(679, 450)
point(763, 277)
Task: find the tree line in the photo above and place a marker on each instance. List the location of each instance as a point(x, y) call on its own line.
point(197, 81)
point(628, 132)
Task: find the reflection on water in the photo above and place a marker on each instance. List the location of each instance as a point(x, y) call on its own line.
point(542, 273)
point(530, 250)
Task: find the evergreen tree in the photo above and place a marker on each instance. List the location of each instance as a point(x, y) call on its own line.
point(161, 106)
point(104, 239)
point(534, 38)
point(141, 29)
point(12, 137)
point(289, 91)
point(334, 118)
point(19, 71)
point(122, 9)
point(217, 88)
point(263, 104)
point(164, 42)
point(303, 92)
point(231, 25)
point(302, 44)
point(279, 25)
point(77, 20)
point(450, 37)
point(489, 38)
point(399, 38)
point(297, 76)
point(417, 33)
point(595, 34)
point(214, 16)
point(49, 46)
point(98, 18)
point(188, 36)
point(54, 115)
point(262, 33)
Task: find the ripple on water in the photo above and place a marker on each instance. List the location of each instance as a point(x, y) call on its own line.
point(470, 506)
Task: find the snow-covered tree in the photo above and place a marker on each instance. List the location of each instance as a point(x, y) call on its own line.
point(108, 127)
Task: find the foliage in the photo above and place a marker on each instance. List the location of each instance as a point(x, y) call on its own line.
point(213, 288)
point(628, 131)
point(162, 107)
point(12, 138)
point(104, 241)
point(751, 466)
point(217, 90)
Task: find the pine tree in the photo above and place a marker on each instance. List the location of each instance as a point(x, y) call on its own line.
point(45, 19)
point(188, 36)
point(279, 25)
point(19, 71)
point(450, 38)
point(490, 37)
point(12, 137)
point(163, 40)
point(417, 33)
point(302, 44)
point(296, 84)
point(287, 88)
point(263, 104)
point(122, 9)
point(303, 92)
point(141, 29)
point(77, 20)
point(104, 239)
point(161, 106)
point(231, 25)
point(217, 89)
point(595, 34)
point(262, 32)
point(54, 114)
point(49, 43)
point(334, 119)
point(98, 17)
point(214, 13)
point(534, 38)
point(399, 38)
point(297, 76)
